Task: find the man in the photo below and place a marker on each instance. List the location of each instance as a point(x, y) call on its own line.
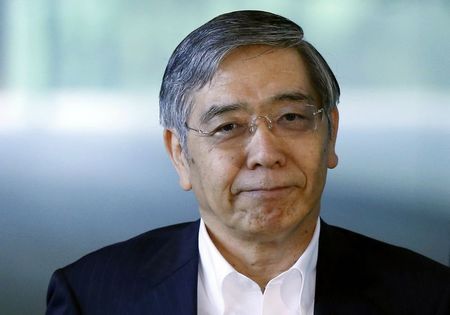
point(250, 118)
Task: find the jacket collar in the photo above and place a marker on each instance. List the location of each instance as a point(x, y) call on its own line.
point(170, 276)
point(177, 251)
point(340, 275)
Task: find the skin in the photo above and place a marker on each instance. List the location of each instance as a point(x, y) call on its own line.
point(260, 201)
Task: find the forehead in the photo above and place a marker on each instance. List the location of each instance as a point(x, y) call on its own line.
point(255, 75)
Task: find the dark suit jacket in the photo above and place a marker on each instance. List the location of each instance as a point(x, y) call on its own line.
point(156, 273)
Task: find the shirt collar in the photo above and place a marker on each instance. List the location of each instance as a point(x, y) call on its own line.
point(214, 268)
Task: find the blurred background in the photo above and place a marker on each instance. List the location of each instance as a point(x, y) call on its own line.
point(82, 163)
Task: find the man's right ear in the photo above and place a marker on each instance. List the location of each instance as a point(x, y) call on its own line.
point(179, 161)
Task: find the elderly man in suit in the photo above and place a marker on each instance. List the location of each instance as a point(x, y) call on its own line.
point(250, 118)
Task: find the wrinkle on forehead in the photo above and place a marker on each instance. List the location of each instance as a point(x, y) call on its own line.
point(242, 66)
point(251, 55)
point(248, 53)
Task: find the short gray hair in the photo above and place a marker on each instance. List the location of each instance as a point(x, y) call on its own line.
point(196, 59)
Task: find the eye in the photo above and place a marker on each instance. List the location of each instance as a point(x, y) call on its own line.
point(295, 121)
point(291, 117)
point(228, 128)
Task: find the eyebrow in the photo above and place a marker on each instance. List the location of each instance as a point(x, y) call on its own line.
point(216, 110)
point(292, 96)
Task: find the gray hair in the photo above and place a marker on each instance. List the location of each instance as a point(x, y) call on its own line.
point(196, 59)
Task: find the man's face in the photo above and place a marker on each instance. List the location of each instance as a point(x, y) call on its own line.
point(265, 186)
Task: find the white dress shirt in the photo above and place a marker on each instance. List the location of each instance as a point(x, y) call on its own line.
point(224, 291)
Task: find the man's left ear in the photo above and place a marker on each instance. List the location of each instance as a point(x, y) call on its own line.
point(334, 125)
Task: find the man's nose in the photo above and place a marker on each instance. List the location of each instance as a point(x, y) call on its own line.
point(264, 148)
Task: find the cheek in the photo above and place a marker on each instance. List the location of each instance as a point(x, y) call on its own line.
point(217, 170)
point(214, 176)
point(313, 163)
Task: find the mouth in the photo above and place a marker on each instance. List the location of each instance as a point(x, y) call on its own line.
point(266, 193)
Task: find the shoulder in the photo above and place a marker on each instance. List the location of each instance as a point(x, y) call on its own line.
point(116, 277)
point(388, 276)
point(132, 254)
point(350, 245)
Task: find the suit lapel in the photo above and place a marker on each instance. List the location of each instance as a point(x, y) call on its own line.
point(323, 303)
point(340, 276)
point(170, 276)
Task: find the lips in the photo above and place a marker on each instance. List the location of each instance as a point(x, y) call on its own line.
point(266, 192)
point(265, 182)
point(262, 185)
point(274, 188)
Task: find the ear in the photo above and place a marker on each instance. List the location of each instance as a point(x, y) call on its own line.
point(178, 158)
point(334, 125)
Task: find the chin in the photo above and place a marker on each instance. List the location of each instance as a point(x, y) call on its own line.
point(266, 223)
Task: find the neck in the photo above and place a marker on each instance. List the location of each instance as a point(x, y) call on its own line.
point(263, 260)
